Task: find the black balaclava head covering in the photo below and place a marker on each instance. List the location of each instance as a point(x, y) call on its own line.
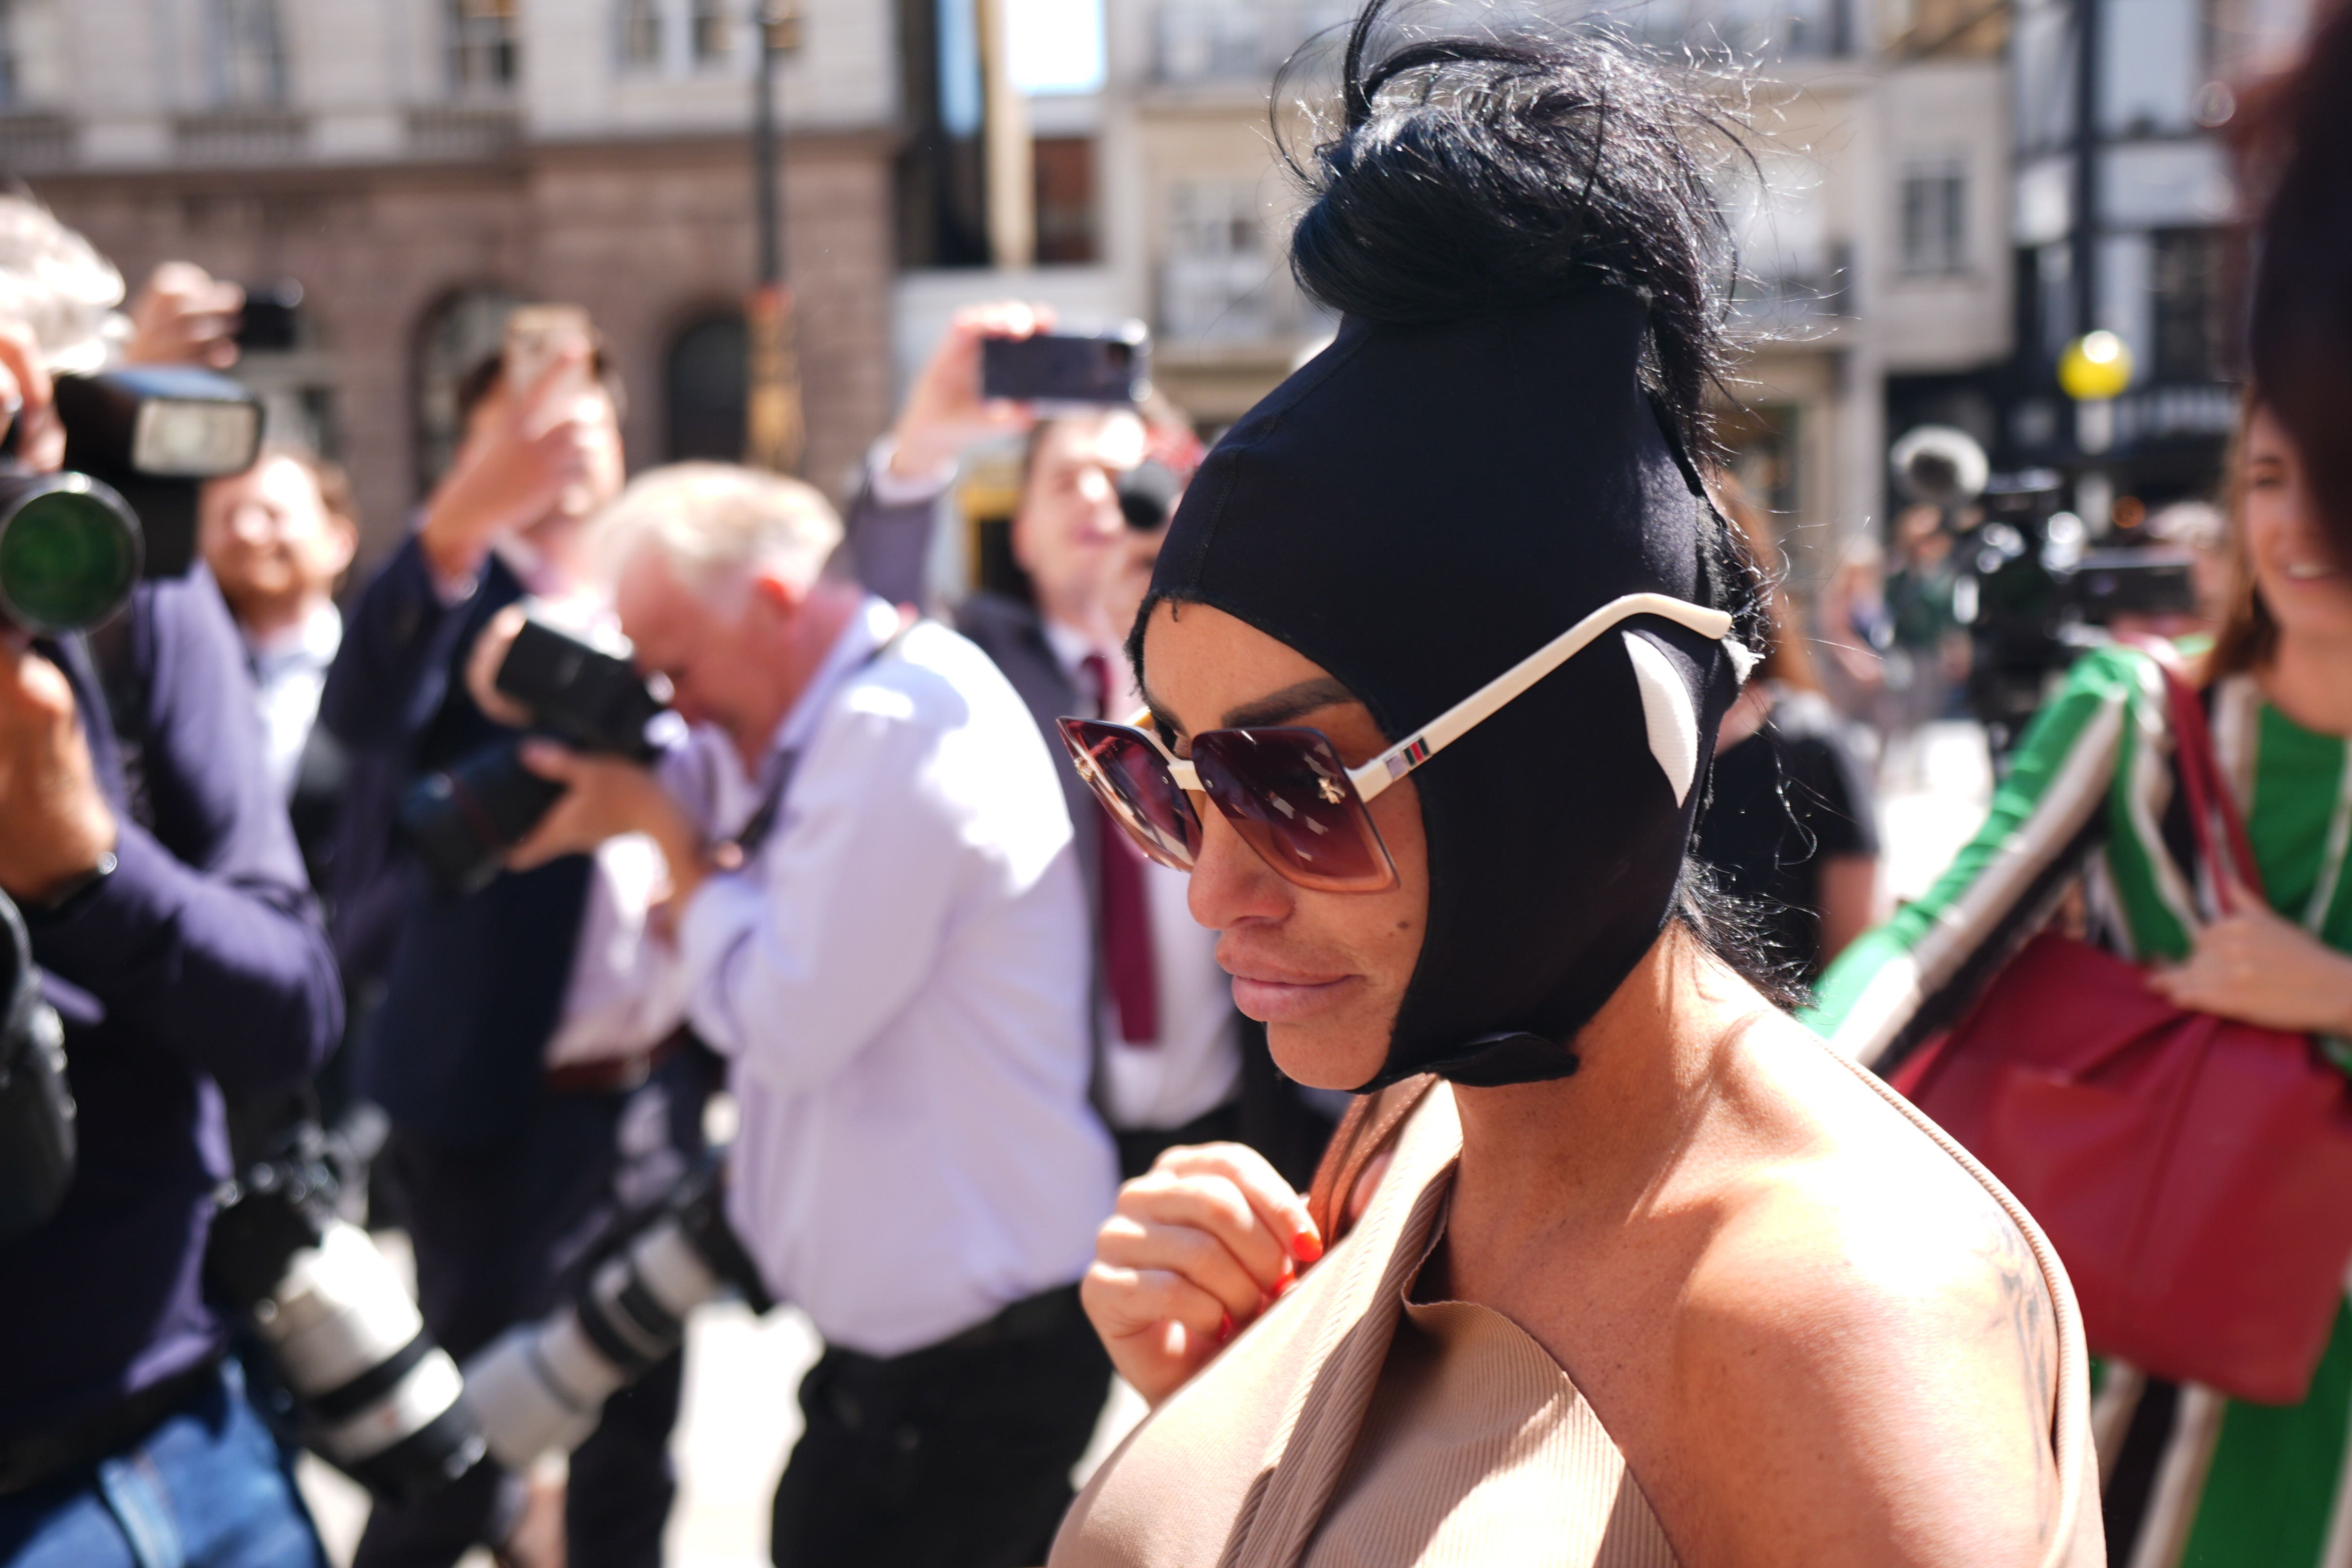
point(1418, 509)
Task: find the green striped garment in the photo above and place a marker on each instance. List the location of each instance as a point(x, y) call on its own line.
point(2193, 1478)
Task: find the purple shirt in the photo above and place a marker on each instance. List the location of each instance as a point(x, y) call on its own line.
point(200, 964)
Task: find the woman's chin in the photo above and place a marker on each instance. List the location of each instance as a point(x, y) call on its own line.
point(1327, 1053)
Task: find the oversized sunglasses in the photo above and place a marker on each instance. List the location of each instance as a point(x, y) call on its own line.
point(1286, 791)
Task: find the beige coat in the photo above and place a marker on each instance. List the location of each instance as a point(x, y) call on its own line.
point(1294, 1449)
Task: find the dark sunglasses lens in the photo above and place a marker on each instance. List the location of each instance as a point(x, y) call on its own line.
point(1286, 794)
point(1132, 779)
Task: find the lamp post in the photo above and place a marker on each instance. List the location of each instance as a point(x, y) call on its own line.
point(775, 429)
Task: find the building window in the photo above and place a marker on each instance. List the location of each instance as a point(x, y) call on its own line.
point(2191, 315)
point(704, 387)
point(1065, 167)
point(664, 36)
point(455, 335)
point(641, 35)
point(1215, 284)
point(710, 31)
point(248, 54)
point(485, 45)
point(1237, 40)
point(32, 53)
point(1934, 219)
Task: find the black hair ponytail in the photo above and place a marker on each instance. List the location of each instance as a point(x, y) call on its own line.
point(1477, 174)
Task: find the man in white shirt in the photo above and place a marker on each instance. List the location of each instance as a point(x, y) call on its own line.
point(1175, 1062)
point(880, 920)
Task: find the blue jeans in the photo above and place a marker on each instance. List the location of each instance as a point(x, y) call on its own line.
point(207, 1489)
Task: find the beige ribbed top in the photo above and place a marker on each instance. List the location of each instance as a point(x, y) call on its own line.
point(1473, 1431)
point(1350, 1428)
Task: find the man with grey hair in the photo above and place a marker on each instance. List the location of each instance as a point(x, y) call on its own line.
point(880, 924)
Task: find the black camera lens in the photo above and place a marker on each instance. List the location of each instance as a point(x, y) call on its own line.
point(463, 819)
point(70, 552)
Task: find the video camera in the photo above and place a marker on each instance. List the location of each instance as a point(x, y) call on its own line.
point(464, 818)
point(2032, 594)
point(138, 442)
point(541, 1387)
point(36, 1113)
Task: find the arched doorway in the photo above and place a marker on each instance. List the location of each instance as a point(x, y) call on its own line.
point(703, 388)
point(455, 335)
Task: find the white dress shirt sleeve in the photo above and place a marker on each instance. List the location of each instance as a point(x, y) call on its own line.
point(798, 961)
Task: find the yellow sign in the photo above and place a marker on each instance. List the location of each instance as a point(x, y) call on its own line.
point(2094, 367)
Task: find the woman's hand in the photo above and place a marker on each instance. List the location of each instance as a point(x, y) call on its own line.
point(1199, 1246)
point(2258, 967)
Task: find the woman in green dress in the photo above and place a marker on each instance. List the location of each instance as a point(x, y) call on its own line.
point(2192, 1476)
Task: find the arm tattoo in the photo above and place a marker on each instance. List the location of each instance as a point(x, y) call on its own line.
point(2028, 1320)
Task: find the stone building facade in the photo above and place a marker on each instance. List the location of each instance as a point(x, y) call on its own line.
point(418, 167)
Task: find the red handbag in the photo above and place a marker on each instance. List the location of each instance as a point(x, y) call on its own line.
point(2194, 1172)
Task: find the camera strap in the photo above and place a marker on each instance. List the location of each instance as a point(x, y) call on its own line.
point(735, 853)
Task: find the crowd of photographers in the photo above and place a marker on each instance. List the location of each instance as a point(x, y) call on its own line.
point(449, 899)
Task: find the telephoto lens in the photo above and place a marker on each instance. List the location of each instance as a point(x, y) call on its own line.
point(463, 819)
point(36, 1113)
point(70, 553)
point(377, 1396)
point(541, 1387)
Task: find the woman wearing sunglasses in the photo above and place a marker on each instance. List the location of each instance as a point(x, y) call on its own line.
point(1618, 1265)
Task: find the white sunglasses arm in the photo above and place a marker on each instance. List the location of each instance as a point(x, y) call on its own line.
point(1450, 726)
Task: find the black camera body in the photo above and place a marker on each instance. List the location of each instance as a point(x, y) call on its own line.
point(463, 819)
point(1059, 370)
point(375, 1394)
point(139, 443)
point(36, 1111)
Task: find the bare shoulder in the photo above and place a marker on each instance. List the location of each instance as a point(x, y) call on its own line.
point(1868, 1352)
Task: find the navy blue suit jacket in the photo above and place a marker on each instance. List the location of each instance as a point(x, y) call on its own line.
point(200, 964)
point(474, 984)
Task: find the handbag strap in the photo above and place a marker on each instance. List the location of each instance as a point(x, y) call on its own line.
point(2209, 800)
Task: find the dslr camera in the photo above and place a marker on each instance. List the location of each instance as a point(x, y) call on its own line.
point(541, 1387)
point(138, 442)
point(463, 819)
point(373, 1393)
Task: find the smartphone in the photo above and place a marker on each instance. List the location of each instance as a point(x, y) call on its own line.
point(537, 336)
point(1069, 367)
point(268, 323)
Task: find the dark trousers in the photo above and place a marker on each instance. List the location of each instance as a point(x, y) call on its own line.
point(502, 1236)
point(957, 1456)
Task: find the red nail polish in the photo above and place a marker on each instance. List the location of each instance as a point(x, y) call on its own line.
point(1224, 1327)
point(1306, 1247)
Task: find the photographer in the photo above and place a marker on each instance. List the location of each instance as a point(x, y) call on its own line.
point(880, 924)
point(1174, 1062)
point(152, 857)
point(527, 1099)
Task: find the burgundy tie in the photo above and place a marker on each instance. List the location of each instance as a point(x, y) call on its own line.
point(1126, 911)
